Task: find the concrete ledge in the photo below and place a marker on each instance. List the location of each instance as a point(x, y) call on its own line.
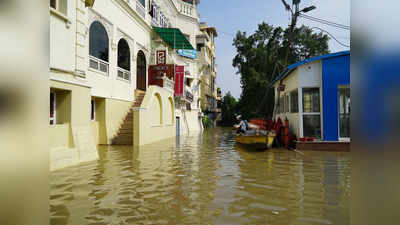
point(334, 146)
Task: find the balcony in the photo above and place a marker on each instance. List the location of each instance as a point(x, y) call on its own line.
point(99, 65)
point(187, 9)
point(124, 74)
point(169, 84)
point(154, 22)
point(189, 96)
point(140, 9)
point(203, 56)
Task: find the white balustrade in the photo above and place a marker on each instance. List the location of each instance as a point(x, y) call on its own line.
point(168, 83)
point(124, 74)
point(98, 64)
point(140, 9)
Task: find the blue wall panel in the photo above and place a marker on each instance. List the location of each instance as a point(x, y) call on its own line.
point(335, 72)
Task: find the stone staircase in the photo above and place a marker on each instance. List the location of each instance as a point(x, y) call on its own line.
point(125, 132)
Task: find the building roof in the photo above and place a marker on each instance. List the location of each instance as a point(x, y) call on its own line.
point(292, 67)
point(205, 27)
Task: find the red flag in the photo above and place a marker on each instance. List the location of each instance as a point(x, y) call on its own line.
point(179, 77)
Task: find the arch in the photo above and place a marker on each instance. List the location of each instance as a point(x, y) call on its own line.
point(157, 110)
point(124, 55)
point(171, 111)
point(98, 41)
point(141, 70)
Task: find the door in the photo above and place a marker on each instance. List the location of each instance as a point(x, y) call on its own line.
point(344, 112)
point(178, 127)
point(52, 108)
point(141, 71)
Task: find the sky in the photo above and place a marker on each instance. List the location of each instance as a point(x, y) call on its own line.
point(230, 16)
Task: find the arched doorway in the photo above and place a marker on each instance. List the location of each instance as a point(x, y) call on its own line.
point(141, 71)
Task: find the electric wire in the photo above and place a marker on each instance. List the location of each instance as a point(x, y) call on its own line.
point(325, 22)
point(341, 43)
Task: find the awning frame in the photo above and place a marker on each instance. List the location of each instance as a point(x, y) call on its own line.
point(173, 37)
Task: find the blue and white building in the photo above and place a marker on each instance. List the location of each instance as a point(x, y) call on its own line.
point(314, 95)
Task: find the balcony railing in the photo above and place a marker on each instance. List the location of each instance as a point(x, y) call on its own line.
point(168, 83)
point(154, 22)
point(189, 96)
point(124, 74)
point(140, 9)
point(98, 64)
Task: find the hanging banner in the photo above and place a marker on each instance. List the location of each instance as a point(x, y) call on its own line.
point(187, 53)
point(179, 77)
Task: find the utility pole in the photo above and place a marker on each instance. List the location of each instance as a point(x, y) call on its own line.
point(294, 15)
point(295, 12)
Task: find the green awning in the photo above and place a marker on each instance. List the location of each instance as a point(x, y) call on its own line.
point(174, 37)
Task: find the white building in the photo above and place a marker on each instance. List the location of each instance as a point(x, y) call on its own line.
point(100, 55)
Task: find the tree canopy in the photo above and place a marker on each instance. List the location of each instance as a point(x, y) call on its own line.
point(260, 58)
point(228, 108)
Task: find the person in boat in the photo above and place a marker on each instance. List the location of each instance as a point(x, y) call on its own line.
point(243, 126)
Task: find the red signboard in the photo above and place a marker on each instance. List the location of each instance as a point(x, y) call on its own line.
point(156, 72)
point(179, 76)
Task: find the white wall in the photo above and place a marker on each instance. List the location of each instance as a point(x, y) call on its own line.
point(62, 39)
point(291, 84)
point(119, 23)
point(309, 76)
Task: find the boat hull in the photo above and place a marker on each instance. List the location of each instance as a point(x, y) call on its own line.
point(255, 141)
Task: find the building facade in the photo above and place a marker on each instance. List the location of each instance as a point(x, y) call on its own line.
point(209, 89)
point(314, 95)
point(103, 90)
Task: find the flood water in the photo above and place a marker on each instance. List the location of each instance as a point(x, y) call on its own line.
point(203, 179)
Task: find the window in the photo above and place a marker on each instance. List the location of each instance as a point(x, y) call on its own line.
point(143, 2)
point(199, 46)
point(98, 41)
point(92, 110)
point(152, 11)
point(124, 60)
point(59, 5)
point(287, 103)
point(52, 108)
point(212, 85)
point(344, 111)
point(281, 104)
point(98, 47)
point(312, 126)
point(311, 100)
point(294, 101)
point(311, 113)
point(53, 4)
point(187, 81)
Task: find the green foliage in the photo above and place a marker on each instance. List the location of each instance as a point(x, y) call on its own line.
point(260, 59)
point(229, 110)
point(207, 122)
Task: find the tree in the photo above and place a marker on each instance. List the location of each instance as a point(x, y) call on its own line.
point(228, 108)
point(260, 59)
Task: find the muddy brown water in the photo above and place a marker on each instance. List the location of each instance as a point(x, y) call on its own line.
point(203, 179)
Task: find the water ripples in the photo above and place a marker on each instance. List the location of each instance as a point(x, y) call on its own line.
point(203, 180)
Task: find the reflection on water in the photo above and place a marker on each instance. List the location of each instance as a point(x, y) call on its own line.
point(203, 180)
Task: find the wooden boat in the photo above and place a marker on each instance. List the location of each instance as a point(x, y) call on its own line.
point(257, 142)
